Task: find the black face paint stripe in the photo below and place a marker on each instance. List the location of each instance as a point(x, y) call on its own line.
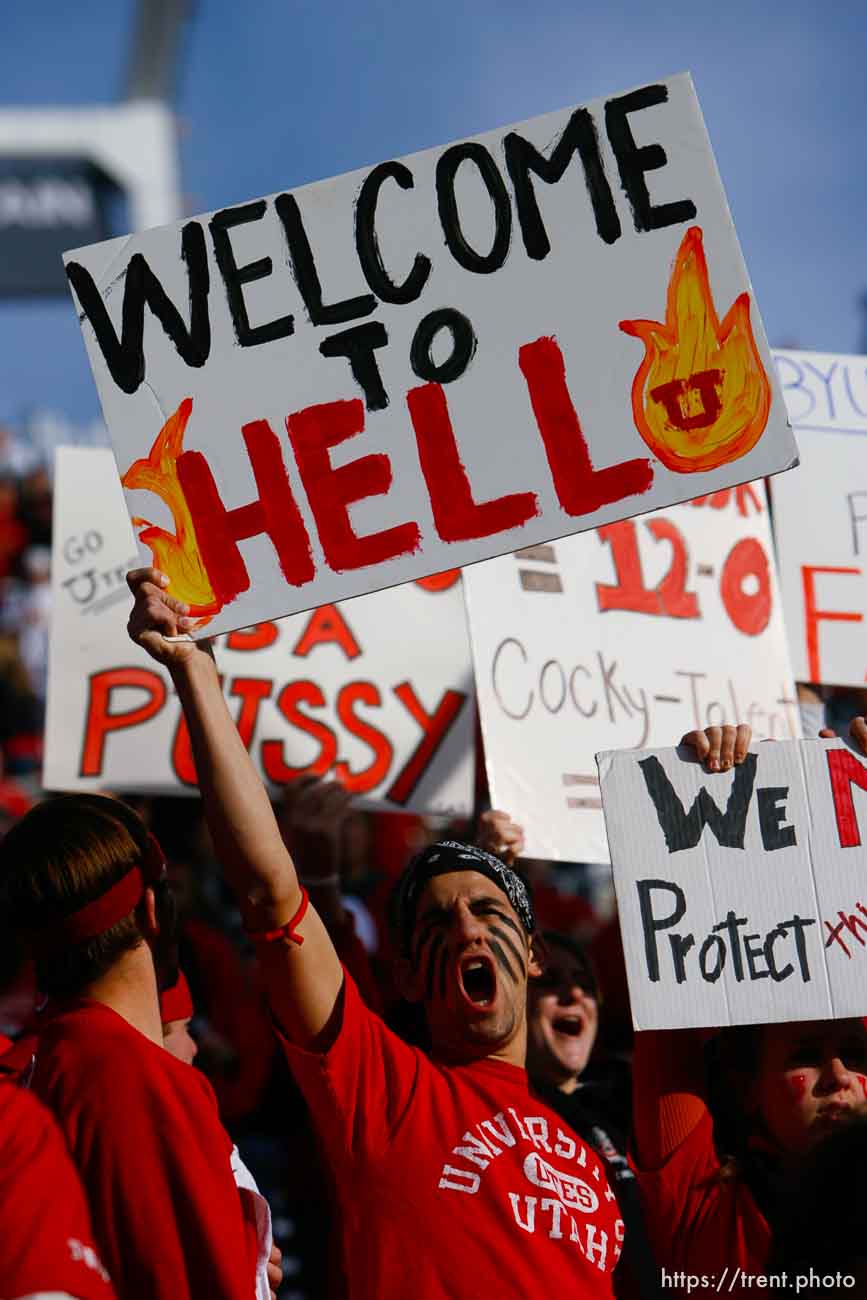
point(507, 920)
point(443, 959)
point(436, 944)
point(511, 947)
point(497, 949)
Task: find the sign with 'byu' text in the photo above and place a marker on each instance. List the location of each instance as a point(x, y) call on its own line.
point(433, 361)
point(820, 517)
point(741, 894)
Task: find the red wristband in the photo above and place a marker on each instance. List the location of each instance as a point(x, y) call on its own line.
point(286, 931)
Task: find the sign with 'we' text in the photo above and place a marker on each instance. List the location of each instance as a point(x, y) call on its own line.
point(432, 361)
point(741, 894)
point(376, 693)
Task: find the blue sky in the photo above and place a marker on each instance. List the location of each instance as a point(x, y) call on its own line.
point(275, 93)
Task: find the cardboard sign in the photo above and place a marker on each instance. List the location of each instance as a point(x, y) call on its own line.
point(820, 517)
point(629, 636)
point(376, 691)
point(433, 361)
point(741, 894)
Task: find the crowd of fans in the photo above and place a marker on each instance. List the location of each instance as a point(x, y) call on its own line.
point(350, 1120)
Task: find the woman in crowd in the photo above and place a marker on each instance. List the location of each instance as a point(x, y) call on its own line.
point(786, 1087)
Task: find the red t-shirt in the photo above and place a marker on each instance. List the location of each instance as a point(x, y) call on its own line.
point(46, 1241)
point(453, 1181)
point(143, 1130)
point(702, 1224)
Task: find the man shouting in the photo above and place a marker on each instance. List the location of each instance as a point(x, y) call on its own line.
point(453, 1178)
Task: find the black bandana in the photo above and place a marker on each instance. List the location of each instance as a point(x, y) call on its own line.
point(447, 856)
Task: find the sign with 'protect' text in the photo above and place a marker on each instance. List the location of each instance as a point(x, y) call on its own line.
point(433, 361)
point(628, 636)
point(376, 692)
point(820, 517)
point(740, 894)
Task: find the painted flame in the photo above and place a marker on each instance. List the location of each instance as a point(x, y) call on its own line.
point(177, 554)
point(701, 397)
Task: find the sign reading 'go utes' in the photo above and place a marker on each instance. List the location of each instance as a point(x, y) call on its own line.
point(434, 361)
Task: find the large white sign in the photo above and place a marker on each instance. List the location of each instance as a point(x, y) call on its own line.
point(628, 636)
point(376, 691)
point(741, 895)
point(820, 517)
point(433, 361)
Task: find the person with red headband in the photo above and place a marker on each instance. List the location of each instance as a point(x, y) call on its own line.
point(84, 883)
point(454, 1178)
point(176, 1009)
point(46, 1239)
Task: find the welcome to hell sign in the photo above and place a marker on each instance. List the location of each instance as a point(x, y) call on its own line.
point(433, 361)
point(741, 894)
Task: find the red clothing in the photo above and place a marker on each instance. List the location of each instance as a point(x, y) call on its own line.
point(143, 1130)
point(453, 1181)
point(46, 1241)
point(698, 1222)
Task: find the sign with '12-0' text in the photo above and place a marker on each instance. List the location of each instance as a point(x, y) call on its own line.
point(376, 692)
point(625, 637)
point(820, 517)
point(432, 361)
point(740, 894)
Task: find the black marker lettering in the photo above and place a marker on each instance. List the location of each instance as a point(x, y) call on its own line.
point(683, 830)
point(306, 275)
point(124, 357)
point(522, 158)
point(651, 924)
point(447, 167)
point(357, 344)
point(633, 161)
point(463, 346)
point(235, 277)
point(772, 811)
point(367, 244)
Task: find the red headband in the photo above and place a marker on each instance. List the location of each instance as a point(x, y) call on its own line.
point(104, 912)
point(176, 1003)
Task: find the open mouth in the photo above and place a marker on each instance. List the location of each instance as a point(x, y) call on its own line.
point(478, 981)
point(571, 1026)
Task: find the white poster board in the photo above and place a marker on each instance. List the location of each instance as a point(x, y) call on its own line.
point(628, 636)
point(820, 517)
point(440, 359)
point(741, 894)
point(376, 691)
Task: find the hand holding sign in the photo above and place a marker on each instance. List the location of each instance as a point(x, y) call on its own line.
point(720, 747)
point(740, 884)
point(498, 834)
point(158, 619)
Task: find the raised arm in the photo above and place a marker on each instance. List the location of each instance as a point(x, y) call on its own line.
point(303, 980)
point(668, 1076)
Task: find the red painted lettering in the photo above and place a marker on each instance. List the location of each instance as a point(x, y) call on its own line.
point(327, 624)
point(288, 701)
point(275, 512)
point(812, 615)
point(101, 721)
point(458, 517)
point(580, 488)
point(435, 727)
point(846, 771)
point(364, 781)
point(258, 637)
point(331, 491)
